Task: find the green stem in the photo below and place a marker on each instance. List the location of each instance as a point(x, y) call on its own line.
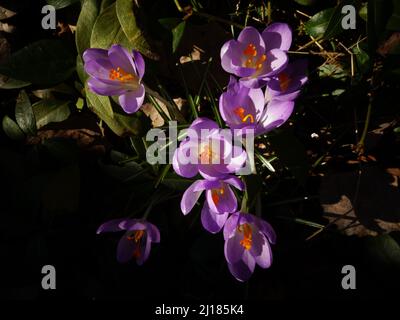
point(366, 125)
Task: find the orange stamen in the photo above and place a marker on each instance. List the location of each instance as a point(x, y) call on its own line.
point(250, 50)
point(284, 81)
point(216, 195)
point(239, 111)
point(247, 236)
point(121, 75)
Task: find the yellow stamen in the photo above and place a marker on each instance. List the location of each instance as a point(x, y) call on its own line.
point(247, 236)
point(239, 111)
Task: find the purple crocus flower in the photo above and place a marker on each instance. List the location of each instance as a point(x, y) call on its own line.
point(245, 108)
point(116, 72)
point(220, 201)
point(247, 243)
point(136, 242)
point(256, 57)
point(209, 151)
point(287, 84)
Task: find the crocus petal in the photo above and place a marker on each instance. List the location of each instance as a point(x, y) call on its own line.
point(144, 252)
point(125, 249)
point(267, 230)
point(187, 170)
point(94, 54)
point(233, 249)
point(243, 269)
point(231, 225)
point(257, 97)
point(134, 224)
point(103, 89)
point(236, 182)
point(226, 59)
point(212, 221)
point(132, 100)
point(277, 60)
point(277, 36)
point(139, 62)
point(264, 260)
point(120, 57)
point(203, 123)
point(278, 112)
point(210, 172)
point(250, 35)
point(238, 159)
point(100, 69)
point(227, 202)
point(153, 233)
point(111, 226)
point(190, 198)
point(258, 240)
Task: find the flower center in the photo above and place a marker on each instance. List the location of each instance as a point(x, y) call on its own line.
point(207, 154)
point(216, 195)
point(247, 236)
point(240, 112)
point(137, 236)
point(251, 61)
point(284, 81)
point(121, 75)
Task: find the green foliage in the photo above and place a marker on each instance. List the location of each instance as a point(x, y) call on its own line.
point(24, 114)
point(60, 4)
point(45, 62)
point(47, 111)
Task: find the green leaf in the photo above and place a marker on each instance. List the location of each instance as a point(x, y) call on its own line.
point(45, 62)
point(83, 76)
point(47, 111)
point(84, 26)
point(327, 23)
point(10, 83)
point(305, 2)
point(11, 129)
point(318, 24)
point(385, 249)
point(24, 114)
point(121, 124)
point(177, 34)
point(127, 18)
point(105, 4)
point(363, 60)
point(107, 30)
point(363, 12)
point(333, 71)
point(59, 4)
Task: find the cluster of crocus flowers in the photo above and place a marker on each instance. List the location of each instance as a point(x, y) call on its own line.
point(259, 98)
point(116, 72)
point(260, 60)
